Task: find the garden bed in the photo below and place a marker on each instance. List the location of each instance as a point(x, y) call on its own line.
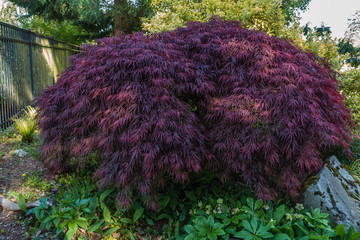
point(13, 171)
point(204, 207)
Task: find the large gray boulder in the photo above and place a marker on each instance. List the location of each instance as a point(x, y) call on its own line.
point(335, 192)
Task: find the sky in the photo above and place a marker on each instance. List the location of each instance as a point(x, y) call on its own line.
point(334, 13)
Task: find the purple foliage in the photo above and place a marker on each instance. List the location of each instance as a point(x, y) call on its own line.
point(264, 110)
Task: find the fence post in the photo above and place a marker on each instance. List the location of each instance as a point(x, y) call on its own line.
point(31, 66)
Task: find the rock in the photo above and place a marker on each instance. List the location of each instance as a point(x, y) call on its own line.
point(20, 153)
point(11, 206)
point(335, 192)
point(33, 204)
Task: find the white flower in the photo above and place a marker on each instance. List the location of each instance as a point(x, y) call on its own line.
point(299, 207)
point(288, 217)
point(266, 207)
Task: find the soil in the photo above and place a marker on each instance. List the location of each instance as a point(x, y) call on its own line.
point(12, 169)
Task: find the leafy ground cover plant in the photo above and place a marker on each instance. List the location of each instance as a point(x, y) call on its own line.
point(76, 208)
point(205, 210)
point(249, 219)
point(211, 96)
point(33, 186)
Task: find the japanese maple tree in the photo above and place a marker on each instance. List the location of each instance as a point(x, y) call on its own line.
point(209, 96)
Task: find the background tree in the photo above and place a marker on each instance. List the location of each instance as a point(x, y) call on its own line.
point(9, 13)
point(61, 30)
point(351, 43)
point(265, 15)
point(319, 40)
point(65, 30)
point(353, 31)
point(98, 18)
point(292, 8)
point(277, 18)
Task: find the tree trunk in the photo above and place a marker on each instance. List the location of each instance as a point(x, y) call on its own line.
point(119, 17)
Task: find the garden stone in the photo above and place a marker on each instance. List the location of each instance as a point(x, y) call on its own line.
point(335, 192)
point(20, 153)
point(11, 206)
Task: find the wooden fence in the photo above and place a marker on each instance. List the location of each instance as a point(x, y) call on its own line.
point(29, 62)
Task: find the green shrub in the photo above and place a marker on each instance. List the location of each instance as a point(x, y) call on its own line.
point(27, 124)
point(350, 88)
point(204, 209)
point(78, 204)
point(250, 219)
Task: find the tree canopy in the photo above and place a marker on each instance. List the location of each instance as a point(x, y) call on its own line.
point(351, 43)
point(9, 13)
point(77, 21)
point(98, 18)
point(266, 15)
point(353, 31)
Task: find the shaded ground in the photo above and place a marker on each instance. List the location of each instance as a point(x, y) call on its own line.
point(12, 169)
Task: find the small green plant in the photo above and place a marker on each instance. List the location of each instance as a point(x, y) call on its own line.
point(37, 180)
point(70, 210)
point(255, 230)
point(206, 210)
point(27, 124)
point(254, 220)
point(205, 228)
point(79, 204)
point(342, 234)
point(30, 196)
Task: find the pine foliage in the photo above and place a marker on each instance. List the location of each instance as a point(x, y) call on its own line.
point(209, 96)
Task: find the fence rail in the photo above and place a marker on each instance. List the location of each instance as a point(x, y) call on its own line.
point(29, 62)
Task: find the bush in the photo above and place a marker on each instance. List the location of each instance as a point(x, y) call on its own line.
point(209, 96)
point(350, 88)
point(252, 220)
point(201, 210)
